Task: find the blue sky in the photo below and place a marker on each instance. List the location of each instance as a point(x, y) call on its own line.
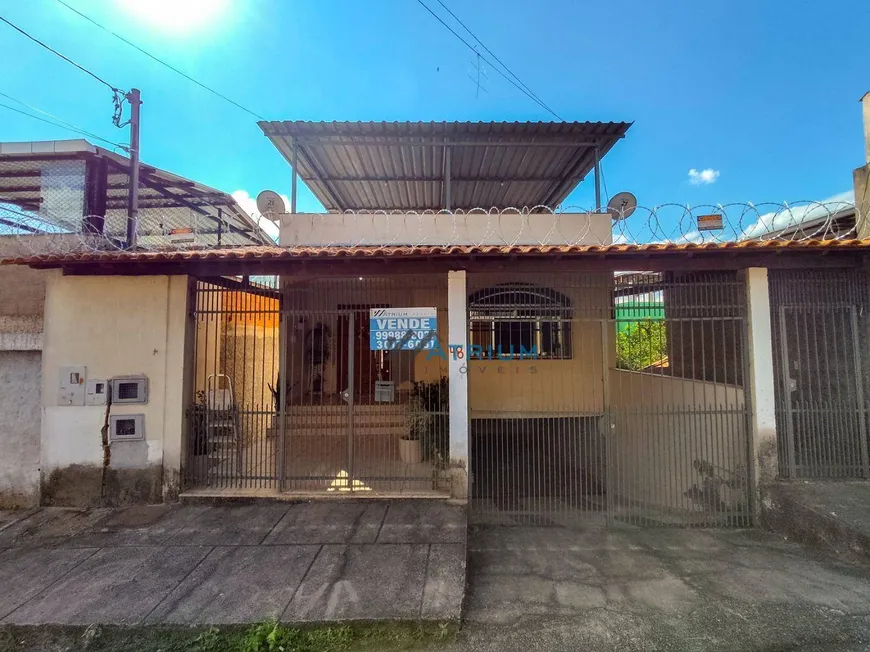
point(761, 94)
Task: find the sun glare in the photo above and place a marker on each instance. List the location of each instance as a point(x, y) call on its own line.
point(176, 16)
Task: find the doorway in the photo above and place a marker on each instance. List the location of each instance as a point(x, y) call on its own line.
point(368, 366)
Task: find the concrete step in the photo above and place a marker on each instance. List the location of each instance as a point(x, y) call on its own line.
point(321, 422)
point(341, 431)
point(321, 410)
point(830, 516)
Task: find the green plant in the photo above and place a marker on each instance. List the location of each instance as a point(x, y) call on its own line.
point(210, 640)
point(198, 431)
point(429, 419)
point(271, 636)
point(642, 344)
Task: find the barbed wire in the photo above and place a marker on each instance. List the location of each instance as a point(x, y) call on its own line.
point(40, 230)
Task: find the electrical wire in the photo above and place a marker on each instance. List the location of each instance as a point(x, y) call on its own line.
point(161, 61)
point(494, 56)
point(56, 122)
point(494, 67)
point(65, 58)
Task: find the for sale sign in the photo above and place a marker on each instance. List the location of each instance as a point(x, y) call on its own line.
point(402, 329)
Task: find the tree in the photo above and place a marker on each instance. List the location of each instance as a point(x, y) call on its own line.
point(642, 344)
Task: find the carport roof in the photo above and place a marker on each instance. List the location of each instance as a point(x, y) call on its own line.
point(362, 166)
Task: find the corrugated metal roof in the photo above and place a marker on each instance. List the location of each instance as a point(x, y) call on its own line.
point(280, 253)
point(401, 165)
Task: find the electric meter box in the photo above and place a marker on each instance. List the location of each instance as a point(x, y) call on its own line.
point(71, 389)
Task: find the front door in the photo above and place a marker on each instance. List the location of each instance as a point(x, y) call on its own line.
point(368, 366)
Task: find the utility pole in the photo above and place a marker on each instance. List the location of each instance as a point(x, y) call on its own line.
point(133, 205)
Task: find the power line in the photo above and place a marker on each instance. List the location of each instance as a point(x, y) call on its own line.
point(494, 56)
point(56, 122)
point(161, 61)
point(65, 58)
point(494, 67)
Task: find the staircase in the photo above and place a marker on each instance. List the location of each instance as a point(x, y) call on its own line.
point(222, 435)
point(332, 420)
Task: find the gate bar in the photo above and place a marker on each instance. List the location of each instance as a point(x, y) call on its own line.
point(862, 417)
point(283, 331)
point(351, 339)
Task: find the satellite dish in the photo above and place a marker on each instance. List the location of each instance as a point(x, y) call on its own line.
point(621, 205)
point(270, 205)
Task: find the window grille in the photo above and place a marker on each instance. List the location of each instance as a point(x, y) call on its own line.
point(519, 320)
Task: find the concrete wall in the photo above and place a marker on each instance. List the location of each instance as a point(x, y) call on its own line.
point(861, 178)
point(861, 175)
point(22, 301)
point(661, 426)
point(19, 428)
point(114, 326)
point(322, 229)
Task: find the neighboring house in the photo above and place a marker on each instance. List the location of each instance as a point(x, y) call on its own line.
point(440, 332)
point(828, 221)
point(71, 186)
point(61, 197)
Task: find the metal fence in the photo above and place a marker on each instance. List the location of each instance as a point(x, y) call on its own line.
point(294, 394)
point(820, 331)
point(235, 354)
point(600, 399)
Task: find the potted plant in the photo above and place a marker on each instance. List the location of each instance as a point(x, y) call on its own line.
point(410, 446)
point(429, 421)
point(198, 437)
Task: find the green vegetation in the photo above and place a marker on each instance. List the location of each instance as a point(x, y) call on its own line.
point(641, 344)
point(269, 636)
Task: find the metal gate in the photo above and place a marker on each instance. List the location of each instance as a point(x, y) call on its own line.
point(604, 399)
point(820, 334)
point(292, 395)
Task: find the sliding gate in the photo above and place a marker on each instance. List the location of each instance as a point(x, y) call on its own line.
point(294, 391)
point(606, 399)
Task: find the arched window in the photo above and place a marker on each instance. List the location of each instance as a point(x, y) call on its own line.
point(520, 320)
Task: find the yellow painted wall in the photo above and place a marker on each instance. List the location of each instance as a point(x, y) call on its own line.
point(509, 388)
point(237, 336)
point(526, 388)
point(114, 325)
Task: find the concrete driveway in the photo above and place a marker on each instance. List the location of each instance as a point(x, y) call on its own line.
point(194, 564)
point(658, 589)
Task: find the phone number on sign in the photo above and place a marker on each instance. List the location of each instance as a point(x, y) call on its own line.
point(417, 340)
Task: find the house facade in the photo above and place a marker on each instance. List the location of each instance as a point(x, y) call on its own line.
point(409, 343)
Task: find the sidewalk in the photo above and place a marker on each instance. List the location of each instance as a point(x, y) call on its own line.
point(195, 564)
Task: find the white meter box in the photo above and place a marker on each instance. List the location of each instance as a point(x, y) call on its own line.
point(71, 389)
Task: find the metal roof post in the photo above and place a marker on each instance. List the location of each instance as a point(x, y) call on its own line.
point(295, 176)
point(447, 157)
point(597, 179)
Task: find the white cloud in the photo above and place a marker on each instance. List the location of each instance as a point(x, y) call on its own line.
point(705, 176)
point(249, 205)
